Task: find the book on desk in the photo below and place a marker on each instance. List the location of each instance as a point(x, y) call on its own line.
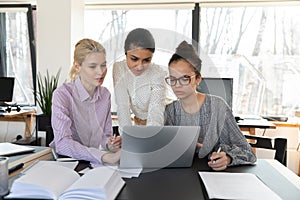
point(59, 182)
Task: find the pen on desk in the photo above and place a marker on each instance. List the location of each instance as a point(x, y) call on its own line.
point(67, 159)
point(54, 154)
point(15, 168)
point(90, 166)
point(218, 151)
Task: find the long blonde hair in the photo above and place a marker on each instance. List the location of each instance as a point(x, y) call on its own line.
point(82, 49)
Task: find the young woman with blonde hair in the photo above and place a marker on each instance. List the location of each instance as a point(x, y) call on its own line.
point(81, 109)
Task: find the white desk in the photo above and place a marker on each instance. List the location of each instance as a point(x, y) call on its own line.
point(251, 124)
point(286, 172)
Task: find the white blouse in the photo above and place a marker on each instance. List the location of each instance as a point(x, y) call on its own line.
point(143, 95)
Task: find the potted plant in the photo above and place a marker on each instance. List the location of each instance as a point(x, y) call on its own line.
point(45, 88)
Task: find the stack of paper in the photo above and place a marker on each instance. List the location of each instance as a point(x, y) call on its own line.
point(124, 173)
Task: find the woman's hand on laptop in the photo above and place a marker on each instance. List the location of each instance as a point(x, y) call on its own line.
point(111, 158)
point(114, 143)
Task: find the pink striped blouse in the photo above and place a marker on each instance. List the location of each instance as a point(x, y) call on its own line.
point(81, 124)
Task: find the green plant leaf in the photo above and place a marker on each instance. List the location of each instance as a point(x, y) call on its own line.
point(45, 88)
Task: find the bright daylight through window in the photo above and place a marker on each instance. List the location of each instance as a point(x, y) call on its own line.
point(15, 53)
point(256, 46)
point(259, 47)
point(168, 26)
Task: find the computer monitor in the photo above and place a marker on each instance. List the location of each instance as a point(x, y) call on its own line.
point(6, 89)
point(222, 87)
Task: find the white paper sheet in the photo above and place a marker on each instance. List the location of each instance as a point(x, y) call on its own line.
point(222, 185)
point(124, 173)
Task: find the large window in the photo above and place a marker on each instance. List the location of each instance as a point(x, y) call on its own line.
point(110, 27)
point(259, 47)
point(16, 52)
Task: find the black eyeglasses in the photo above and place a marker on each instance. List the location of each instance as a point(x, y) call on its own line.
point(183, 80)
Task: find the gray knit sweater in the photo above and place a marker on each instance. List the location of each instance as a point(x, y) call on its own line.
point(218, 128)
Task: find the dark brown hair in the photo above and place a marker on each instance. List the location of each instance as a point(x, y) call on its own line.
point(139, 38)
point(187, 52)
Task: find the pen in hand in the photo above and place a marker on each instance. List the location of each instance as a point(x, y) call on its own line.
point(113, 138)
point(114, 143)
point(218, 151)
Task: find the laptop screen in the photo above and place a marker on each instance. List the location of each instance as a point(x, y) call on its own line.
point(158, 146)
point(7, 89)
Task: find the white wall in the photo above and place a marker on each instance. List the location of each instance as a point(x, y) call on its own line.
point(58, 30)
point(10, 130)
point(60, 24)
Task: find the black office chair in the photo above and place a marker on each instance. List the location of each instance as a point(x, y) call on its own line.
point(49, 135)
point(277, 144)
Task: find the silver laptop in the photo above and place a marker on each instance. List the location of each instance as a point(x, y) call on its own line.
point(158, 146)
point(8, 149)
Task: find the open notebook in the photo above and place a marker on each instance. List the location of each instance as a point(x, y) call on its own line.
point(8, 149)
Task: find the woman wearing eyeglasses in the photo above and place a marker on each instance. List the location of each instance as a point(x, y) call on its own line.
point(219, 129)
point(139, 85)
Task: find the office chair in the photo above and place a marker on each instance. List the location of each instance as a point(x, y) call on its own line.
point(277, 144)
point(49, 135)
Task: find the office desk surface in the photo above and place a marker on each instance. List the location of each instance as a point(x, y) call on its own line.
point(185, 183)
point(255, 123)
point(26, 116)
point(250, 125)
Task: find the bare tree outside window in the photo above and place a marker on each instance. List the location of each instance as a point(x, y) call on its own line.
point(17, 56)
point(259, 47)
